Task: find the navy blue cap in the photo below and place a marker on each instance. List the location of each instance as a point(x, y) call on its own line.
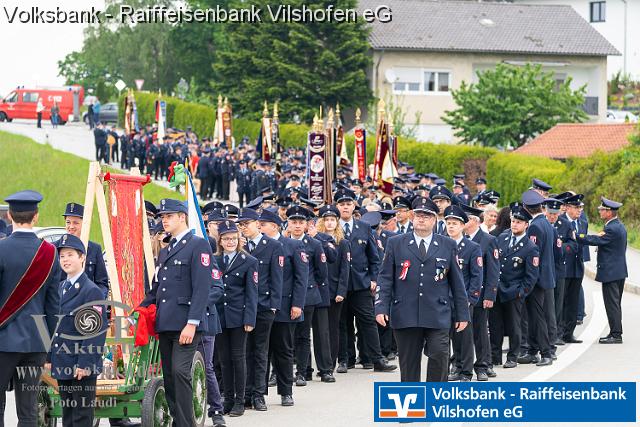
point(329, 210)
point(212, 205)
point(263, 162)
point(574, 199)
point(255, 203)
point(456, 212)
point(227, 226)
point(157, 228)
point(231, 211)
point(609, 204)
point(440, 181)
point(242, 161)
point(387, 214)
point(215, 215)
point(297, 212)
point(532, 198)
point(248, 214)
point(471, 211)
point(401, 202)
point(459, 176)
point(493, 195)
point(519, 212)
point(344, 195)
point(284, 202)
point(431, 175)
point(539, 184)
point(74, 209)
point(440, 192)
point(168, 206)
point(484, 199)
point(387, 206)
point(553, 205)
point(268, 215)
point(372, 218)
point(458, 183)
point(24, 201)
point(481, 181)
point(308, 203)
point(563, 196)
point(150, 208)
point(72, 242)
point(423, 204)
point(265, 190)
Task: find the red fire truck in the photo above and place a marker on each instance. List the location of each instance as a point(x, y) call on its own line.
point(21, 103)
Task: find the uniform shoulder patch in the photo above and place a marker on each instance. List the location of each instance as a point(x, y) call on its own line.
point(496, 253)
point(534, 239)
point(479, 260)
point(255, 277)
point(205, 259)
point(215, 274)
point(559, 242)
point(323, 257)
point(536, 261)
point(380, 244)
point(349, 256)
point(281, 260)
point(303, 256)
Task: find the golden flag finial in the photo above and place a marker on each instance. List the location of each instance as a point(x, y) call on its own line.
point(219, 101)
point(315, 122)
point(159, 93)
point(226, 101)
point(337, 109)
point(265, 111)
point(390, 127)
point(358, 116)
point(275, 110)
point(330, 118)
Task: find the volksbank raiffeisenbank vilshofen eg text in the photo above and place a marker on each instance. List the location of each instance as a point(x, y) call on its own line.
point(252, 14)
point(525, 393)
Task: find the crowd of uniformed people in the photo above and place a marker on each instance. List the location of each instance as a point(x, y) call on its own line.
point(285, 284)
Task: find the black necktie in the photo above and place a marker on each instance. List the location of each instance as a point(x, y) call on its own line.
point(402, 229)
point(66, 286)
point(423, 249)
point(513, 242)
point(172, 242)
point(575, 226)
point(252, 246)
point(347, 230)
point(440, 227)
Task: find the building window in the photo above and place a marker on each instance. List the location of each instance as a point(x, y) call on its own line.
point(436, 81)
point(407, 80)
point(598, 11)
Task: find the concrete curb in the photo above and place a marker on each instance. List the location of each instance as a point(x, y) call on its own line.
point(628, 286)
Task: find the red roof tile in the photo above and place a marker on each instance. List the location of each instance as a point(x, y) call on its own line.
point(578, 140)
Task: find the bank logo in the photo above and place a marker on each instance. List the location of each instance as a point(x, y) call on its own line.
point(400, 402)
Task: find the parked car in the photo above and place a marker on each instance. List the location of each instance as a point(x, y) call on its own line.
point(22, 102)
point(50, 234)
point(108, 113)
point(620, 116)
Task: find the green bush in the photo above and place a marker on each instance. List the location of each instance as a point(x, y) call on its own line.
point(510, 174)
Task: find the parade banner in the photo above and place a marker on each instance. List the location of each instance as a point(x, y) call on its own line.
point(382, 152)
point(360, 157)
point(267, 149)
point(316, 166)
point(227, 130)
point(128, 112)
point(161, 119)
point(196, 223)
point(342, 159)
point(517, 402)
point(125, 213)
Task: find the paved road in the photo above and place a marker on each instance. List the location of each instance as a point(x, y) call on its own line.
point(348, 402)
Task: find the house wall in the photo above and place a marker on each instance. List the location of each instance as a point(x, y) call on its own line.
point(613, 29)
point(463, 67)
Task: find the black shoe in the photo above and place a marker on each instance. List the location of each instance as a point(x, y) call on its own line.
point(545, 361)
point(351, 365)
point(258, 404)
point(559, 341)
point(367, 365)
point(572, 340)
point(227, 406)
point(465, 379)
point(123, 422)
point(611, 340)
point(454, 376)
point(342, 368)
point(237, 410)
point(300, 381)
point(510, 364)
point(579, 322)
point(391, 356)
point(491, 373)
point(384, 366)
point(308, 376)
point(327, 378)
point(528, 358)
point(287, 400)
point(218, 419)
point(482, 376)
point(272, 380)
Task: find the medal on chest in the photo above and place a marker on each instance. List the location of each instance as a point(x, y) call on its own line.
point(405, 269)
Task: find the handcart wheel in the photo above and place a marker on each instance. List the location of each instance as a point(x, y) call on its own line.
point(199, 383)
point(44, 407)
point(155, 409)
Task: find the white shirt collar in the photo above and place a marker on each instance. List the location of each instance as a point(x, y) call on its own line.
point(472, 236)
point(257, 239)
point(427, 240)
point(350, 222)
point(75, 278)
point(23, 230)
point(460, 239)
point(182, 235)
point(277, 236)
point(230, 254)
point(299, 238)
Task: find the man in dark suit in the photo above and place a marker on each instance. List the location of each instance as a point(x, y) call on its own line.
point(612, 265)
point(270, 255)
point(205, 174)
point(180, 291)
point(100, 140)
point(442, 197)
point(23, 296)
point(243, 182)
point(574, 268)
point(519, 270)
point(365, 264)
point(402, 206)
point(541, 233)
point(294, 289)
point(421, 293)
point(490, 276)
point(95, 267)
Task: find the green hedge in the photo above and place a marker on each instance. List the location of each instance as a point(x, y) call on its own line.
point(511, 174)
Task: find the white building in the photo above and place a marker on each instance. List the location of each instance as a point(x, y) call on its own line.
point(618, 21)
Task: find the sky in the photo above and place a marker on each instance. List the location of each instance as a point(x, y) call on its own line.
point(30, 52)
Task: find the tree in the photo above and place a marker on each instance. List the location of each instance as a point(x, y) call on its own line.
point(510, 105)
point(302, 65)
